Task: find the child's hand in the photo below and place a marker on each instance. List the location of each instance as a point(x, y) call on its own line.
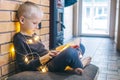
point(53, 53)
point(75, 46)
point(44, 59)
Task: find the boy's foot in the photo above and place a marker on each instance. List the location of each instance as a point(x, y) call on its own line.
point(78, 71)
point(86, 61)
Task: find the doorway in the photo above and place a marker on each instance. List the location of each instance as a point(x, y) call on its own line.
point(95, 17)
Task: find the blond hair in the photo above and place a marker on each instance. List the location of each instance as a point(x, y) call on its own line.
point(27, 9)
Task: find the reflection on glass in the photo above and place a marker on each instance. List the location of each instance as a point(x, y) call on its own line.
point(95, 16)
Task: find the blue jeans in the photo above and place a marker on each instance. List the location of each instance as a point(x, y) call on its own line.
point(82, 48)
point(68, 57)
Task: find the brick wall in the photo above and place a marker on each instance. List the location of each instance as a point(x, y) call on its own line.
point(8, 28)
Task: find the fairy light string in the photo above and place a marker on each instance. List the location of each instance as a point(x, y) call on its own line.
point(29, 41)
point(31, 55)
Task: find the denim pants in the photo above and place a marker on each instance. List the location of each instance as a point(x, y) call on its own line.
point(68, 57)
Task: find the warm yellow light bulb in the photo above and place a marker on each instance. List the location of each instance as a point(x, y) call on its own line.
point(12, 52)
point(30, 41)
point(13, 49)
point(80, 55)
point(17, 24)
point(36, 38)
point(26, 59)
point(44, 70)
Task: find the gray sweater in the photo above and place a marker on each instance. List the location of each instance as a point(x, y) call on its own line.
point(30, 50)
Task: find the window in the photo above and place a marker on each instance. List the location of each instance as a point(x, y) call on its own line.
point(87, 11)
point(87, 0)
point(100, 10)
point(101, 0)
point(95, 11)
point(105, 10)
point(95, 15)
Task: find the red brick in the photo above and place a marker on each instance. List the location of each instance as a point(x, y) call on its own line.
point(45, 2)
point(6, 37)
point(0, 72)
point(44, 31)
point(23, 0)
point(43, 38)
point(8, 5)
point(47, 37)
point(45, 23)
point(4, 16)
point(0, 49)
point(45, 9)
point(13, 16)
point(8, 68)
point(37, 32)
point(5, 48)
point(35, 1)
point(4, 59)
point(46, 17)
point(7, 26)
point(12, 35)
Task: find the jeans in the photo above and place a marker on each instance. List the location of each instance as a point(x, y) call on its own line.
point(68, 57)
point(82, 48)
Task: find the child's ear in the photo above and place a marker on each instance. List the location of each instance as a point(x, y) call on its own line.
point(22, 20)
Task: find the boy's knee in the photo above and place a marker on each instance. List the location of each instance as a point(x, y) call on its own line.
point(70, 52)
point(82, 47)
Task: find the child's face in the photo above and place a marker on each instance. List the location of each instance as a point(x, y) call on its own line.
point(31, 24)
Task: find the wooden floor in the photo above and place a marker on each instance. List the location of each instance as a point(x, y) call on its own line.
point(104, 55)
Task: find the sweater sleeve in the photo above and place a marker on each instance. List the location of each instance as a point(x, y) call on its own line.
point(20, 48)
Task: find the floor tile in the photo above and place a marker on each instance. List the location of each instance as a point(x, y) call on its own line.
point(104, 55)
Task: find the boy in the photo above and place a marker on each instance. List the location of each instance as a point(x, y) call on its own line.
point(31, 53)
